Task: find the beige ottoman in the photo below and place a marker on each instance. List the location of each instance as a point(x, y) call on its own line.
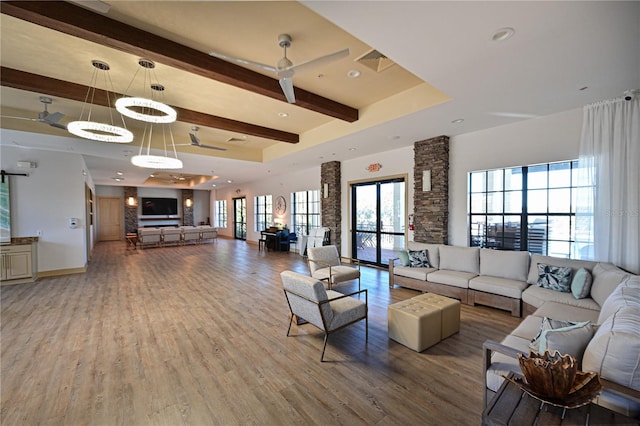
point(450, 309)
point(415, 325)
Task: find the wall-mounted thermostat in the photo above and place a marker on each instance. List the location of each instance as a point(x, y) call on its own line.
point(73, 222)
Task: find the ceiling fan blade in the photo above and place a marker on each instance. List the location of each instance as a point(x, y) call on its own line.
point(57, 125)
point(53, 118)
point(243, 62)
point(305, 66)
point(212, 147)
point(287, 88)
point(19, 118)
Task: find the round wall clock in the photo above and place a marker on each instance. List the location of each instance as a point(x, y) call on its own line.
point(281, 205)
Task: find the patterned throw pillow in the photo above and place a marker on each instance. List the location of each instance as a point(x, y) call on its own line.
point(554, 277)
point(548, 324)
point(419, 259)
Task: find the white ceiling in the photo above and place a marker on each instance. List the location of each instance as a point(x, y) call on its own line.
point(558, 49)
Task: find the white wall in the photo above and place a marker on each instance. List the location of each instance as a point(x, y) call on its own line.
point(45, 200)
point(542, 140)
point(277, 185)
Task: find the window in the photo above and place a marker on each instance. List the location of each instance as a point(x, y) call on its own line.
point(221, 214)
point(305, 211)
point(263, 207)
point(528, 208)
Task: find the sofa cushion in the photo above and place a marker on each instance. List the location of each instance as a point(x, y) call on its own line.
point(500, 286)
point(581, 284)
point(572, 339)
point(512, 265)
point(419, 259)
point(556, 278)
point(454, 278)
point(562, 311)
point(409, 272)
point(536, 296)
point(614, 351)
point(626, 294)
point(462, 259)
point(528, 328)
point(432, 249)
point(503, 364)
point(555, 261)
point(606, 278)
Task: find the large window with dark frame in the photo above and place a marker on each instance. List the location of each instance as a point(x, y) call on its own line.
point(221, 214)
point(528, 208)
point(305, 211)
point(263, 207)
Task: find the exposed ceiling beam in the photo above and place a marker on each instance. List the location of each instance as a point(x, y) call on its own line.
point(79, 22)
point(77, 92)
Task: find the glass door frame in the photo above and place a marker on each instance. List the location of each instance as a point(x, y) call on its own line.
point(242, 235)
point(353, 237)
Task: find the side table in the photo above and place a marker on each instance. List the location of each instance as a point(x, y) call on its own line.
point(512, 406)
point(132, 241)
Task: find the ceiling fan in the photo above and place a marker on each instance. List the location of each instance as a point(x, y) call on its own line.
point(196, 142)
point(285, 69)
point(52, 119)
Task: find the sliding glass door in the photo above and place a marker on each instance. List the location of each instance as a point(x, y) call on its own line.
point(240, 218)
point(377, 220)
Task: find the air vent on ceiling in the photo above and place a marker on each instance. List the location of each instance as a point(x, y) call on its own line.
point(232, 139)
point(375, 61)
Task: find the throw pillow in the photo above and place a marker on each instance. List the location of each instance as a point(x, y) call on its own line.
point(419, 259)
point(404, 257)
point(572, 340)
point(554, 277)
point(548, 324)
point(581, 284)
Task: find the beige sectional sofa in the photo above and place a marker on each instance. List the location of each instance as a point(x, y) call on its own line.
point(501, 279)
point(611, 348)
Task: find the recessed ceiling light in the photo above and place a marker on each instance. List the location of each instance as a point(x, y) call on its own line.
point(353, 74)
point(352, 149)
point(214, 185)
point(119, 173)
point(283, 114)
point(152, 175)
point(503, 34)
point(229, 181)
point(458, 120)
point(118, 179)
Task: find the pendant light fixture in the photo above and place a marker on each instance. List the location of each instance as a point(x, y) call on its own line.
point(85, 128)
point(149, 106)
point(158, 118)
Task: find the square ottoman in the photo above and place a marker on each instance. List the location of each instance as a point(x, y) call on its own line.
point(450, 309)
point(415, 325)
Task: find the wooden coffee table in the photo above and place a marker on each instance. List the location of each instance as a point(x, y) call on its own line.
point(512, 406)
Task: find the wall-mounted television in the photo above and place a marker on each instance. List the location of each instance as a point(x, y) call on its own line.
point(159, 206)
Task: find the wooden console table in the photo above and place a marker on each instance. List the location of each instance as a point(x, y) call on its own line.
point(512, 406)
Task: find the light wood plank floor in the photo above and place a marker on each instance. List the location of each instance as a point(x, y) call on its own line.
point(197, 335)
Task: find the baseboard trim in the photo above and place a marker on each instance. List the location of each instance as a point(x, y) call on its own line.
point(59, 272)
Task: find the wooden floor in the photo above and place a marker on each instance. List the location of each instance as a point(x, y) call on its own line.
point(197, 335)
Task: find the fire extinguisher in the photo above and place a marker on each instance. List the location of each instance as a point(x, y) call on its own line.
point(411, 227)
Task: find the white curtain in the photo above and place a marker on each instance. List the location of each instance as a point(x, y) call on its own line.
point(608, 206)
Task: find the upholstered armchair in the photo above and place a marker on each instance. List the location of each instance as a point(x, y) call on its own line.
point(191, 234)
point(328, 310)
point(325, 264)
point(148, 236)
point(171, 236)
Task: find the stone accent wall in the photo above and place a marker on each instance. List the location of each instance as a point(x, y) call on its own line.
point(431, 208)
point(331, 206)
point(187, 212)
point(130, 212)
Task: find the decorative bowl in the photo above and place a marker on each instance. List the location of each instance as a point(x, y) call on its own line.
point(549, 374)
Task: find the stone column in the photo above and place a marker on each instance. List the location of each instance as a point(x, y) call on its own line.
point(130, 212)
point(187, 212)
point(331, 205)
point(431, 208)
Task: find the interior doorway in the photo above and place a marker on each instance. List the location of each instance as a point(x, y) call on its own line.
point(240, 218)
point(109, 218)
point(378, 220)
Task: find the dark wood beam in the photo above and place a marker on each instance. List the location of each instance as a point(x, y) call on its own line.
point(63, 89)
point(79, 22)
